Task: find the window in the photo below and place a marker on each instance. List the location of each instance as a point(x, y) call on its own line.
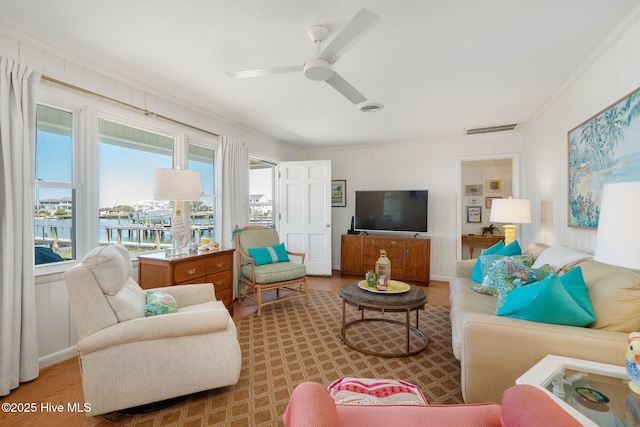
point(127, 158)
point(261, 193)
point(55, 186)
point(201, 159)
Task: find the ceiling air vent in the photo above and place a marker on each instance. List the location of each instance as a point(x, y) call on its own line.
point(370, 108)
point(490, 129)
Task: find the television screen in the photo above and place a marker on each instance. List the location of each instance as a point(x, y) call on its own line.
point(392, 210)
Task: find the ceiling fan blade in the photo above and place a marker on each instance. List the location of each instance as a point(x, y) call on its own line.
point(345, 88)
point(356, 28)
point(263, 72)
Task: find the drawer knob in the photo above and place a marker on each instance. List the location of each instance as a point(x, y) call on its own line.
point(220, 264)
point(191, 271)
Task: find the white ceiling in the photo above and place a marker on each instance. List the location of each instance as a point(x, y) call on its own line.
point(438, 66)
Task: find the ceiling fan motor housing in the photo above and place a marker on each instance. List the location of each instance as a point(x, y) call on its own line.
point(318, 69)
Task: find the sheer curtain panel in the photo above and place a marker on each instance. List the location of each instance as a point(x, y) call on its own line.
point(233, 191)
point(18, 329)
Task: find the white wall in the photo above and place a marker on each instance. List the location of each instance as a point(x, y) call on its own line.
point(56, 331)
point(612, 73)
point(432, 165)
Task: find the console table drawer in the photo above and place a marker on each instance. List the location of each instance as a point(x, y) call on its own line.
point(189, 270)
point(221, 281)
point(220, 263)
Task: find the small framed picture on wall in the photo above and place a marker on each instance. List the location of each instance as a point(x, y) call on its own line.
point(493, 186)
point(339, 193)
point(474, 214)
point(473, 190)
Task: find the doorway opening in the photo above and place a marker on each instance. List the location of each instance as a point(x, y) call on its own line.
point(481, 182)
point(261, 184)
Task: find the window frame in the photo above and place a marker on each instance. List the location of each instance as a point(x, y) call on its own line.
point(86, 112)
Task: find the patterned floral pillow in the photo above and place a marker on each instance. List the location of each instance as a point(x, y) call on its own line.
point(159, 303)
point(496, 271)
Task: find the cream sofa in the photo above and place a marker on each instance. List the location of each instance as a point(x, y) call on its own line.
point(494, 351)
point(128, 359)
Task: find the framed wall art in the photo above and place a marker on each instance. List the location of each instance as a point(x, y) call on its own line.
point(474, 214)
point(474, 200)
point(603, 149)
point(473, 190)
point(339, 193)
point(493, 186)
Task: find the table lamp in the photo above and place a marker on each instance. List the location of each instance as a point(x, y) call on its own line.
point(510, 211)
point(616, 244)
point(177, 185)
point(618, 226)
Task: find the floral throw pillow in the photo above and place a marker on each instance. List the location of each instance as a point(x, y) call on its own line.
point(496, 269)
point(158, 303)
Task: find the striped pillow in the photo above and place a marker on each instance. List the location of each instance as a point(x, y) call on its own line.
point(365, 391)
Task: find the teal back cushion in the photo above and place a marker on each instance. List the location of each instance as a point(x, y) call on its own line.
point(269, 254)
point(499, 248)
point(563, 300)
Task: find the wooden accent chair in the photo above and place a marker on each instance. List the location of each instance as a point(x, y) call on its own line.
point(263, 266)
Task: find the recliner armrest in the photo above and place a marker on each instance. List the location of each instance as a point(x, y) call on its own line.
point(186, 295)
point(157, 328)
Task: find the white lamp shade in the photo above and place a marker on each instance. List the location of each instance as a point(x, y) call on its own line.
point(511, 211)
point(176, 184)
point(618, 226)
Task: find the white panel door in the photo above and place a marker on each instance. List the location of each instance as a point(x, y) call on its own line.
point(305, 212)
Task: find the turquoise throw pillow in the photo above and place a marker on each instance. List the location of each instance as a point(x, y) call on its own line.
point(159, 303)
point(563, 300)
point(499, 248)
point(269, 255)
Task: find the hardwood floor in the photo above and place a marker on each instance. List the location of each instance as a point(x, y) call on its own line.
point(60, 384)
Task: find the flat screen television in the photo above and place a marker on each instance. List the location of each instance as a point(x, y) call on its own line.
point(403, 210)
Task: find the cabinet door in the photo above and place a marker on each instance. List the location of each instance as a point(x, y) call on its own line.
point(395, 252)
point(417, 254)
point(351, 255)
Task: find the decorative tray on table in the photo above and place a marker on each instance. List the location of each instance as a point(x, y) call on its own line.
point(394, 287)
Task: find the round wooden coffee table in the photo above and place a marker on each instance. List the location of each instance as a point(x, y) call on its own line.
point(412, 300)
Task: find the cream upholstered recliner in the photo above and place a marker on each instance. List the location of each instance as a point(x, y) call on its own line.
point(127, 359)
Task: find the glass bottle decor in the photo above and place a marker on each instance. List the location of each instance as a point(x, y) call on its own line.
point(383, 268)
point(371, 278)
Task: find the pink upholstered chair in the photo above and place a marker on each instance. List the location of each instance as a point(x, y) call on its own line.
point(522, 405)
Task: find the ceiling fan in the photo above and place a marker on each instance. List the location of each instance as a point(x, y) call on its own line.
point(320, 66)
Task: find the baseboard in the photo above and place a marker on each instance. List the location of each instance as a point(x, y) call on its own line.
point(51, 359)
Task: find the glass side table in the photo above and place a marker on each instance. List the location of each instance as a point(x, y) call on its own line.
point(596, 394)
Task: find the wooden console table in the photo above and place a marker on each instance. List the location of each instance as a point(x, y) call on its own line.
point(484, 241)
point(156, 270)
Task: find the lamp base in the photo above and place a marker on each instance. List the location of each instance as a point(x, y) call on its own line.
point(509, 233)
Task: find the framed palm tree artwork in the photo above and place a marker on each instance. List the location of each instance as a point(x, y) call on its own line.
point(603, 149)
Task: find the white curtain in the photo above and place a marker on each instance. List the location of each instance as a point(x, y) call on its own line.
point(18, 329)
point(232, 178)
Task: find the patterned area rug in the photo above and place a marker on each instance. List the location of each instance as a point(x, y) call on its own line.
point(291, 343)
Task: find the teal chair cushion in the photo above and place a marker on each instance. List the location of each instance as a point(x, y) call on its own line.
point(278, 272)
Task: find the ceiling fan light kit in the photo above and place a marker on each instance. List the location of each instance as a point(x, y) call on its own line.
point(320, 66)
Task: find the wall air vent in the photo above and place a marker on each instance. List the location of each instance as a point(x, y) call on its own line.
point(489, 129)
